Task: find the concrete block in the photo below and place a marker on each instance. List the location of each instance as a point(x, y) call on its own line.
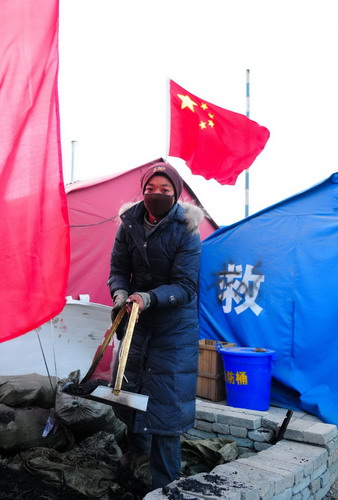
point(272, 421)
point(333, 478)
point(245, 453)
point(295, 469)
point(333, 458)
point(238, 431)
point(202, 404)
point(297, 497)
point(325, 479)
point(311, 418)
point(333, 469)
point(205, 415)
point(239, 420)
point(264, 480)
point(246, 411)
point(321, 493)
point(244, 442)
point(201, 434)
point(284, 479)
point(308, 456)
point(208, 485)
point(315, 485)
point(332, 445)
point(285, 495)
point(318, 472)
point(279, 412)
point(214, 486)
point(221, 429)
point(306, 493)
point(254, 484)
point(295, 429)
point(320, 433)
point(195, 486)
point(210, 407)
point(203, 425)
point(261, 446)
point(250, 495)
point(262, 435)
point(189, 434)
point(301, 485)
point(298, 414)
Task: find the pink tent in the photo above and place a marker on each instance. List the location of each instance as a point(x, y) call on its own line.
point(93, 215)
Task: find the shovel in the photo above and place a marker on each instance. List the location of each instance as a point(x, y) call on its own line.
point(107, 395)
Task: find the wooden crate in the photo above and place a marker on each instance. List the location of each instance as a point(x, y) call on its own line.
point(210, 380)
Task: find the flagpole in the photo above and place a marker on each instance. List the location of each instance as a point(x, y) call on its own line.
point(74, 151)
point(248, 115)
point(168, 119)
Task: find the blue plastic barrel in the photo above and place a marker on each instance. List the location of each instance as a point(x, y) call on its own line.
point(248, 372)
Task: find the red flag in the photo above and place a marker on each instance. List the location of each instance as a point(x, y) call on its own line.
point(34, 230)
point(214, 142)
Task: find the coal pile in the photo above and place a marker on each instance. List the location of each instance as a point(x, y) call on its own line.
point(20, 485)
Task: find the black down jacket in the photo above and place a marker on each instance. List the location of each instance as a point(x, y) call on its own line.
point(163, 356)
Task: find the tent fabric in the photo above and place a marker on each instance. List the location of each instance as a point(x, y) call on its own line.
point(93, 213)
point(271, 281)
point(34, 232)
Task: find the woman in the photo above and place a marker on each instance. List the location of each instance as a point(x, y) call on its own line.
point(155, 262)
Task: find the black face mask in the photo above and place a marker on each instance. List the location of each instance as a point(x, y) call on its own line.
point(158, 205)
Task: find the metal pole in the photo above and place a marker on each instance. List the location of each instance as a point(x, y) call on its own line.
point(248, 115)
point(74, 149)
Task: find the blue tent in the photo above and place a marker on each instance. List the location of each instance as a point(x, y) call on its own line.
point(271, 281)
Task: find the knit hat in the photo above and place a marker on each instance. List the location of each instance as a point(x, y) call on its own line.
point(168, 171)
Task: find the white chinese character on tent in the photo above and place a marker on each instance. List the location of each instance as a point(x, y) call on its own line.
point(243, 290)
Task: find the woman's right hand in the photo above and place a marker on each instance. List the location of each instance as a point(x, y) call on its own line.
point(135, 297)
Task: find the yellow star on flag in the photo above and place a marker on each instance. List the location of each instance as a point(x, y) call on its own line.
point(202, 125)
point(211, 123)
point(187, 102)
point(204, 106)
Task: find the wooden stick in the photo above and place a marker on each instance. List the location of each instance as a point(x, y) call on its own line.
point(125, 348)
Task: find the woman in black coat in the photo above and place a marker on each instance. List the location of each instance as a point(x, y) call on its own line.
point(155, 262)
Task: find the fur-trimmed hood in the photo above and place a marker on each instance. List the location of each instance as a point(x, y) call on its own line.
point(193, 215)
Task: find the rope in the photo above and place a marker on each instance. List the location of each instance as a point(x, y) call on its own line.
point(44, 357)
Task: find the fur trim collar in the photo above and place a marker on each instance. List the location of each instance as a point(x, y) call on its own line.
point(193, 215)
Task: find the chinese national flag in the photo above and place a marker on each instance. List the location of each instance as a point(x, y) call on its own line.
point(215, 143)
point(34, 230)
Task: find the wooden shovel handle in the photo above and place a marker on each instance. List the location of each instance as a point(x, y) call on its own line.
point(125, 348)
point(104, 344)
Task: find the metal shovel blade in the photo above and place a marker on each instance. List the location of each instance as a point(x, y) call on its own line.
point(105, 394)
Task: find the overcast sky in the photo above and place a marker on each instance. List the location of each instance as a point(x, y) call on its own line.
point(116, 58)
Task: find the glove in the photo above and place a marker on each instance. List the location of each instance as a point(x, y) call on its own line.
point(120, 299)
point(141, 298)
